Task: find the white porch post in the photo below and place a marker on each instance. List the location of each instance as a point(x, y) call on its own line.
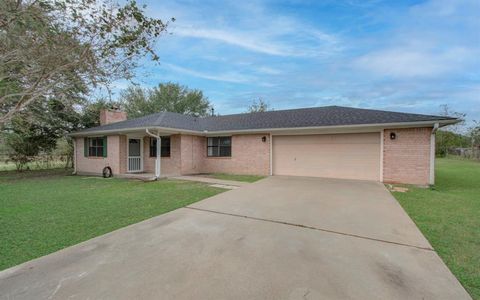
point(158, 161)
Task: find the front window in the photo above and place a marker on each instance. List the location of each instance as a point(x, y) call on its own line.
point(164, 150)
point(219, 146)
point(95, 147)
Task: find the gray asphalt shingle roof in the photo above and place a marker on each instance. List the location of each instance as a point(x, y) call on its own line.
point(291, 118)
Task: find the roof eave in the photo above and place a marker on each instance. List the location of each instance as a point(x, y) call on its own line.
point(131, 130)
point(345, 128)
point(374, 126)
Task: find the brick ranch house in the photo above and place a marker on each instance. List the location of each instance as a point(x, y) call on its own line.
point(333, 141)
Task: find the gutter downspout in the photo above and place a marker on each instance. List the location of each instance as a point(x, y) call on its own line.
point(158, 158)
point(432, 153)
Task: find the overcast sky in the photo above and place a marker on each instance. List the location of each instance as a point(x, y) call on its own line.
point(408, 56)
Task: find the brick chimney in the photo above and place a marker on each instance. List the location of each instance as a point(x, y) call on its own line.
point(108, 116)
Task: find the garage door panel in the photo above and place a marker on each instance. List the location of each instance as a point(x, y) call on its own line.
point(350, 156)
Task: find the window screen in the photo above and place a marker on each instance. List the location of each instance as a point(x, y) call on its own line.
point(95, 147)
point(219, 146)
point(164, 151)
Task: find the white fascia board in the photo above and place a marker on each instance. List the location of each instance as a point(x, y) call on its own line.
point(291, 130)
point(333, 129)
point(163, 130)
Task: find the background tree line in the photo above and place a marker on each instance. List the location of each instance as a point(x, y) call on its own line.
point(41, 129)
point(458, 135)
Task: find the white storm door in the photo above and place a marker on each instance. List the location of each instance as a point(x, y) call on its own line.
point(135, 155)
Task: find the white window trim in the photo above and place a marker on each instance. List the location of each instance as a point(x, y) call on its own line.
point(89, 138)
point(218, 156)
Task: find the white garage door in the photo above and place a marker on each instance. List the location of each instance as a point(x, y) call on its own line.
point(349, 156)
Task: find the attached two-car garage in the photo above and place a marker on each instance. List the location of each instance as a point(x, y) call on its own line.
point(347, 156)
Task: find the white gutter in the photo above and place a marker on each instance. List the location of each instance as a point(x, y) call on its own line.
point(132, 129)
point(262, 130)
point(371, 126)
point(432, 153)
point(435, 128)
point(158, 159)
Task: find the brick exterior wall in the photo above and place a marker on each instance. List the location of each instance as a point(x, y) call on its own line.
point(249, 156)
point(406, 159)
point(123, 154)
point(169, 165)
point(192, 153)
point(95, 165)
point(108, 116)
point(188, 155)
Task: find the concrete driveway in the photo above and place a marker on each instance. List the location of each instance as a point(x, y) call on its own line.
point(279, 238)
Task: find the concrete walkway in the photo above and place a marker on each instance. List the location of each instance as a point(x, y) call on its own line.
point(205, 179)
point(278, 238)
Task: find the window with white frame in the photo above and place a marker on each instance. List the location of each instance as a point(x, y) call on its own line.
point(96, 147)
point(164, 150)
point(219, 146)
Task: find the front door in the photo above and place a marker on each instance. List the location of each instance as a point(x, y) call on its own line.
point(135, 155)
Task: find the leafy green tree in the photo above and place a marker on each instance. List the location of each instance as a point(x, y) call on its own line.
point(62, 49)
point(171, 97)
point(452, 136)
point(258, 106)
point(42, 129)
point(25, 140)
point(90, 112)
point(36, 130)
point(474, 135)
point(445, 140)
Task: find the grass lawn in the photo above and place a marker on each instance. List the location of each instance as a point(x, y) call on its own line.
point(245, 178)
point(449, 216)
point(45, 211)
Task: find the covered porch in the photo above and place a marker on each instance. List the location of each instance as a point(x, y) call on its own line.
point(140, 153)
point(149, 155)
